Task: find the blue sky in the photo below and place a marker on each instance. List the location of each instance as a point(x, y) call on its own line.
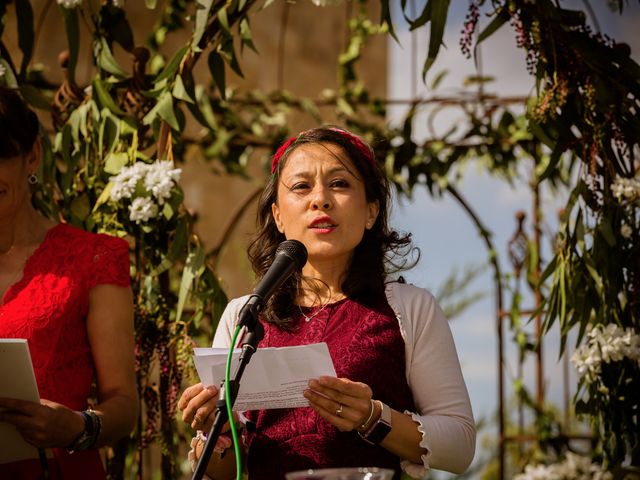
point(445, 235)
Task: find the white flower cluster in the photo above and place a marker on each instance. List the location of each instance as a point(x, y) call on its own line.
point(325, 3)
point(158, 180)
point(604, 345)
point(626, 189)
point(574, 467)
point(70, 3)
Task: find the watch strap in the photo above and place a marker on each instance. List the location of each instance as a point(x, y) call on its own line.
point(381, 428)
point(89, 436)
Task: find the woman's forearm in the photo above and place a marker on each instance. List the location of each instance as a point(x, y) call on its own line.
point(404, 438)
point(118, 414)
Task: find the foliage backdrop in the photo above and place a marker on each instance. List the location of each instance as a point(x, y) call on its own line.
point(116, 143)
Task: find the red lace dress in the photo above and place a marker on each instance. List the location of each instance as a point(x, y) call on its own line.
point(366, 346)
point(49, 308)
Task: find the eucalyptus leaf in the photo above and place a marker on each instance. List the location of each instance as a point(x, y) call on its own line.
point(195, 261)
point(102, 95)
point(106, 61)
point(115, 161)
point(223, 19)
point(172, 67)
point(501, 17)
point(80, 208)
point(203, 7)
point(180, 91)
point(24, 14)
point(216, 67)
point(9, 79)
point(165, 110)
point(245, 34)
point(72, 29)
point(439, 11)
point(109, 133)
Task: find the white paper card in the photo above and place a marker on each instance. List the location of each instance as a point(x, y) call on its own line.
point(17, 380)
point(274, 378)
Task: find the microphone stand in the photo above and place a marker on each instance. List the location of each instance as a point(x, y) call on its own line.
point(255, 331)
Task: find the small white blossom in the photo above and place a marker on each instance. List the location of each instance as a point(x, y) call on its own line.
point(70, 3)
point(325, 3)
point(604, 345)
point(124, 184)
point(142, 209)
point(626, 231)
point(161, 178)
point(626, 189)
point(571, 468)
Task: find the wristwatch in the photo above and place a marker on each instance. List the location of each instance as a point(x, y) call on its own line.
point(381, 428)
point(89, 435)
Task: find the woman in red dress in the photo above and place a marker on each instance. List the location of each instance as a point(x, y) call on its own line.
point(399, 400)
point(68, 293)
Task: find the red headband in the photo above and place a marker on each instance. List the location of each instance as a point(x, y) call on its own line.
point(353, 139)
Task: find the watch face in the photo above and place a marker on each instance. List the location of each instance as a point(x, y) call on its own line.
point(379, 432)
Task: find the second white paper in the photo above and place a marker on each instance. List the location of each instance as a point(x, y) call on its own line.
point(274, 378)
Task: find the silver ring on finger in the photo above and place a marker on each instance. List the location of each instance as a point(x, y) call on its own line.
point(339, 410)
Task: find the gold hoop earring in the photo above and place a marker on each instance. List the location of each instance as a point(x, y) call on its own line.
point(33, 179)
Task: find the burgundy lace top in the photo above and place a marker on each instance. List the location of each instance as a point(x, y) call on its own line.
point(49, 308)
point(366, 346)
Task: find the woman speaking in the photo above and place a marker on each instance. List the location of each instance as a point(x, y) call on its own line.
point(399, 400)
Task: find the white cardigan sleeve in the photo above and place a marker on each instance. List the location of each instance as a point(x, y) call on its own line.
point(228, 322)
point(433, 373)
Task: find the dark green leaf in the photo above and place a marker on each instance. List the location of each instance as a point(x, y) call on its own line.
point(171, 68)
point(385, 18)
point(216, 67)
point(80, 208)
point(423, 18)
point(109, 133)
point(114, 21)
point(439, 11)
point(24, 14)
point(180, 91)
point(164, 109)
point(203, 7)
point(35, 97)
point(195, 261)
point(245, 34)
point(102, 95)
point(604, 227)
point(224, 20)
point(228, 52)
point(105, 59)
point(502, 17)
point(70, 17)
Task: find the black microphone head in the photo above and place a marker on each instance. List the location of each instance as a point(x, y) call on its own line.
point(295, 250)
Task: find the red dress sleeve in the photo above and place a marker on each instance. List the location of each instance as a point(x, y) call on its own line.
point(110, 262)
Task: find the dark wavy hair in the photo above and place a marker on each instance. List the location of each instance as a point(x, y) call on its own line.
point(382, 250)
point(18, 125)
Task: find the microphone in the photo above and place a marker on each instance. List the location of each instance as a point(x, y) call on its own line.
point(291, 255)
